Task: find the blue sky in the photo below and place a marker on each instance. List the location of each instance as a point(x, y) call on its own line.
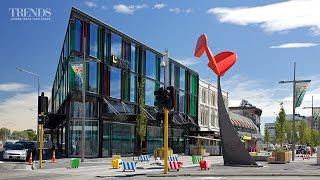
point(249, 28)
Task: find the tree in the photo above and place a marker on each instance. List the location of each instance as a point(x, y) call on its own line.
point(266, 136)
point(142, 116)
point(280, 125)
point(302, 129)
point(32, 136)
point(19, 135)
point(5, 133)
point(288, 131)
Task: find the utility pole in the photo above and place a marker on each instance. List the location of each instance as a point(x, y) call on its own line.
point(294, 82)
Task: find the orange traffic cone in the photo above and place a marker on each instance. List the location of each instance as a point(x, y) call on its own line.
point(54, 157)
point(30, 159)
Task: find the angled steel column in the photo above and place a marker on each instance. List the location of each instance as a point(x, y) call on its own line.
point(234, 152)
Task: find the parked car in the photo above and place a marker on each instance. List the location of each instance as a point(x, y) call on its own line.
point(301, 150)
point(30, 146)
point(15, 152)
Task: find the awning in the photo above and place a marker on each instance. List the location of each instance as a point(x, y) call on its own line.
point(241, 121)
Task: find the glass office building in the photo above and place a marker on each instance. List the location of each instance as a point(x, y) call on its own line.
point(116, 67)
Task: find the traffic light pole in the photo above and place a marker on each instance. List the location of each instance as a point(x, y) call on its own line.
point(165, 142)
point(166, 114)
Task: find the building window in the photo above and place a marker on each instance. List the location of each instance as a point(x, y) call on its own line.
point(116, 46)
point(133, 58)
point(213, 118)
point(204, 95)
point(123, 138)
point(133, 87)
point(115, 82)
point(76, 37)
point(150, 87)
point(151, 65)
point(213, 100)
point(76, 109)
point(182, 79)
point(91, 138)
point(93, 40)
point(155, 138)
point(93, 76)
point(182, 101)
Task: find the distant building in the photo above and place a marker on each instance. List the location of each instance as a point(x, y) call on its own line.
point(271, 127)
point(248, 110)
point(299, 118)
point(208, 115)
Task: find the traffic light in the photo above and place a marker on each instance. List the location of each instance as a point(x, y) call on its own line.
point(159, 98)
point(171, 97)
point(165, 98)
point(42, 105)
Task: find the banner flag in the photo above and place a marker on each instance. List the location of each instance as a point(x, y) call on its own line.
point(301, 89)
point(78, 70)
point(316, 113)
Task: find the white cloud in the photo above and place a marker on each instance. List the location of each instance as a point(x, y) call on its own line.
point(128, 9)
point(280, 16)
point(19, 112)
point(90, 4)
point(175, 10)
point(178, 10)
point(187, 61)
point(12, 86)
point(295, 45)
point(159, 6)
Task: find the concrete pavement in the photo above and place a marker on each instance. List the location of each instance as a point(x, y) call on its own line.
point(100, 168)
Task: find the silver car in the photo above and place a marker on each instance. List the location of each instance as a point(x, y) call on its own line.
point(15, 152)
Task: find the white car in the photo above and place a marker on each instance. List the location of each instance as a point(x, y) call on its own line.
point(15, 152)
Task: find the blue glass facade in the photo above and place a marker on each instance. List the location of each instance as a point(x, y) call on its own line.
point(115, 67)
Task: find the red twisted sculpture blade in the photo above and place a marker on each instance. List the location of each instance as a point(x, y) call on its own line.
point(219, 63)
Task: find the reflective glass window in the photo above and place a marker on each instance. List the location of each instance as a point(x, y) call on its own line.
point(181, 101)
point(133, 87)
point(93, 77)
point(93, 37)
point(133, 58)
point(149, 92)
point(116, 46)
point(182, 78)
point(76, 37)
point(151, 65)
point(115, 82)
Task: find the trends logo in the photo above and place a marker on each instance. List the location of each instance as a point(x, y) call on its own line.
point(30, 14)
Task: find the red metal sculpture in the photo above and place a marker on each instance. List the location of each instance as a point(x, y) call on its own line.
point(234, 152)
point(219, 63)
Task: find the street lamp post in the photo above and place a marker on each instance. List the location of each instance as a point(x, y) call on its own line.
point(294, 106)
point(38, 82)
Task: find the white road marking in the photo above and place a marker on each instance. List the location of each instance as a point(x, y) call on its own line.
point(211, 178)
point(1, 162)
